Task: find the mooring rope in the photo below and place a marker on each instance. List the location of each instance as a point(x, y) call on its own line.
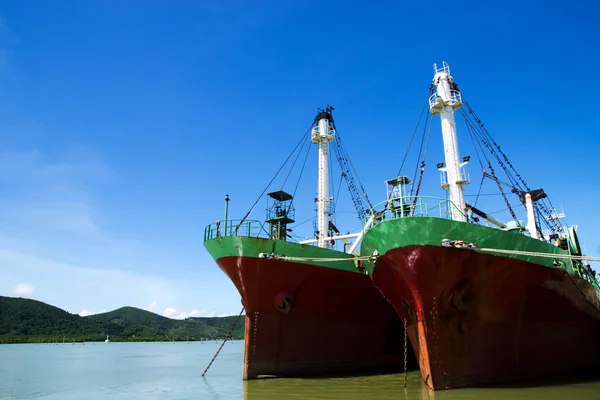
point(222, 344)
point(274, 256)
point(536, 254)
point(459, 244)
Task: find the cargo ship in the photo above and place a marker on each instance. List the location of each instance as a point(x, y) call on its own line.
point(485, 301)
point(311, 309)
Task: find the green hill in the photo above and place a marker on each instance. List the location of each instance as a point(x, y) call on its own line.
point(134, 316)
point(25, 320)
point(134, 322)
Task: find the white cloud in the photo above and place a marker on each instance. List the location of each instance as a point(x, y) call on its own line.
point(23, 289)
point(90, 286)
point(152, 306)
point(176, 314)
point(202, 313)
point(229, 314)
point(170, 312)
point(85, 313)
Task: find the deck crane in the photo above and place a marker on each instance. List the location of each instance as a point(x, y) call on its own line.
point(357, 191)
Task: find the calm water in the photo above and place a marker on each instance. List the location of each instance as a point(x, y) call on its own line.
point(172, 371)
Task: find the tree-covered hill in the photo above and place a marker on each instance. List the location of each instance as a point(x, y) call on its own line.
point(134, 316)
point(25, 320)
point(22, 318)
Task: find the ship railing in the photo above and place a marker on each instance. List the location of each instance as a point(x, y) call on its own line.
point(235, 227)
point(444, 178)
point(412, 206)
point(464, 178)
point(433, 100)
point(454, 100)
point(445, 68)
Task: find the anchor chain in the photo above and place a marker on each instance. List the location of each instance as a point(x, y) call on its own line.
point(222, 344)
point(405, 352)
point(404, 323)
point(254, 332)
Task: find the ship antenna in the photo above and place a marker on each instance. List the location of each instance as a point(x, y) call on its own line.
point(444, 101)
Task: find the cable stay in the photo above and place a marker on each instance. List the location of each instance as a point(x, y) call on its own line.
point(493, 162)
point(359, 197)
point(516, 183)
point(412, 138)
point(280, 210)
point(302, 139)
point(397, 186)
point(422, 150)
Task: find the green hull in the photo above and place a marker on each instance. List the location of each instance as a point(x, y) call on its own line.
point(403, 232)
point(240, 246)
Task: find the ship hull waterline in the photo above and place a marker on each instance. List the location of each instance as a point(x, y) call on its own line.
point(478, 319)
point(310, 320)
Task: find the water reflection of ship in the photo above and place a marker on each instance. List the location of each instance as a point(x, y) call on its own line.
point(381, 387)
point(390, 386)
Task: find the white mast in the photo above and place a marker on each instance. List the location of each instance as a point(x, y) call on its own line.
point(322, 134)
point(447, 99)
point(531, 225)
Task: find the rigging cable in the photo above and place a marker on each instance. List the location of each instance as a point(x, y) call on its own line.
point(422, 168)
point(414, 132)
point(540, 206)
point(419, 155)
point(272, 179)
point(349, 172)
point(339, 189)
point(301, 172)
point(332, 203)
point(512, 212)
point(484, 137)
point(472, 136)
point(293, 164)
point(493, 173)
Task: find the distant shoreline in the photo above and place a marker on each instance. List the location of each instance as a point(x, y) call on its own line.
point(66, 342)
point(31, 321)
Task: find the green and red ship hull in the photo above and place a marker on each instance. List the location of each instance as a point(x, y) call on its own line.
point(479, 318)
point(308, 318)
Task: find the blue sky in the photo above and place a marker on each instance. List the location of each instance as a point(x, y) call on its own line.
point(123, 125)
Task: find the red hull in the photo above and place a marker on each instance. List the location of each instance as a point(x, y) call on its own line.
point(338, 322)
point(477, 319)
